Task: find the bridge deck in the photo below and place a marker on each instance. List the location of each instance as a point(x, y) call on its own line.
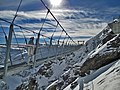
point(13, 69)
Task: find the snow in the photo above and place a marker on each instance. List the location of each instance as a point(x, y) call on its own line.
point(87, 82)
point(21, 55)
point(65, 66)
point(77, 87)
point(103, 49)
point(1, 66)
point(69, 86)
point(51, 84)
point(97, 73)
point(3, 85)
point(57, 70)
point(13, 81)
point(42, 81)
point(109, 80)
point(81, 57)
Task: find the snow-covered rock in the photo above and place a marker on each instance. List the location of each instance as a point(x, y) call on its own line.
point(109, 80)
point(75, 70)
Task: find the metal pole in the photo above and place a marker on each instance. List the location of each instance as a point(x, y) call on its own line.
point(36, 49)
point(8, 50)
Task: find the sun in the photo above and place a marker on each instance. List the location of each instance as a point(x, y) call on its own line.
point(55, 3)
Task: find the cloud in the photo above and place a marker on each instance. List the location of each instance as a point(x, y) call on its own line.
point(78, 23)
point(81, 19)
point(26, 5)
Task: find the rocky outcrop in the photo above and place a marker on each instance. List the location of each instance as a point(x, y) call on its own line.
point(98, 61)
point(108, 36)
point(111, 53)
point(31, 84)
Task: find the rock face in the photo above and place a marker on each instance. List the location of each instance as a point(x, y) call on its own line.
point(98, 61)
point(110, 52)
point(108, 36)
point(31, 85)
point(115, 25)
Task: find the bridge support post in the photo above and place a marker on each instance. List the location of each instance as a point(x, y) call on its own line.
point(36, 49)
point(8, 44)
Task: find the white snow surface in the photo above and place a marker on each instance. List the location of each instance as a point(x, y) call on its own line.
point(13, 81)
point(105, 78)
point(109, 80)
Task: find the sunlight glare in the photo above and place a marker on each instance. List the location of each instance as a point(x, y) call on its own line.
point(55, 3)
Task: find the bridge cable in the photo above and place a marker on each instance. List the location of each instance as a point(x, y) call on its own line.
point(56, 20)
point(9, 42)
point(67, 40)
point(26, 29)
point(24, 36)
point(53, 34)
point(60, 37)
point(4, 33)
point(18, 45)
point(37, 39)
point(6, 41)
point(13, 29)
point(64, 40)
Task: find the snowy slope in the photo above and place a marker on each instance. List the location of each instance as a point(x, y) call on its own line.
point(64, 72)
point(109, 80)
point(101, 44)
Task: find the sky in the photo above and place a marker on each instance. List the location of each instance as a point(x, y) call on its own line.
point(82, 19)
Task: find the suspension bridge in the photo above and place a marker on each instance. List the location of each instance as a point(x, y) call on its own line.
point(14, 56)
